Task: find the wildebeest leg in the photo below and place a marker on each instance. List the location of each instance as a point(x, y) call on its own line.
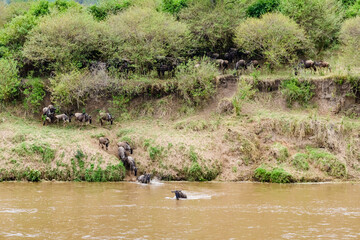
point(101, 122)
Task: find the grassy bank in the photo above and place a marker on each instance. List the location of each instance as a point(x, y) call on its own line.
point(266, 140)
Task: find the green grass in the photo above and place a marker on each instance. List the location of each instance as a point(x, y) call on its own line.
point(275, 175)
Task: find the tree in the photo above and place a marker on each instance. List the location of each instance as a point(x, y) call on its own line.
point(275, 37)
point(321, 19)
point(260, 7)
point(67, 40)
point(353, 10)
point(350, 38)
point(143, 35)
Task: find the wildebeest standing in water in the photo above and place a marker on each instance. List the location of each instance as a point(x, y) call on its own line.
point(145, 178)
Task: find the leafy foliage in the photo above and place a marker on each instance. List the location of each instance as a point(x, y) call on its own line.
point(276, 175)
point(102, 11)
point(65, 41)
point(321, 19)
point(173, 6)
point(143, 35)
point(353, 10)
point(196, 83)
point(34, 94)
point(350, 37)
point(9, 81)
point(294, 90)
point(244, 93)
point(274, 36)
point(260, 7)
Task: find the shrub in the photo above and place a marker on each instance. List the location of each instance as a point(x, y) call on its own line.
point(281, 151)
point(353, 10)
point(244, 93)
point(350, 38)
point(143, 35)
point(260, 7)
point(9, 81)
point(321, 19)
point(34, 94)
point(100, 12)
point(14, 33)
point(300, 162)
point(276, 175)
point(196, 84)
point(32, 175)
point(294, 90)
point(212, 28)
point(327, 162)
point(173, 6)
point(65, 41)
point(275, 37)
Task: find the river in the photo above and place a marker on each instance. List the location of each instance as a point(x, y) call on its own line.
point(63, 210)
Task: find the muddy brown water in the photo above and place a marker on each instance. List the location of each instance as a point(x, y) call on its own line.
point(53, 210)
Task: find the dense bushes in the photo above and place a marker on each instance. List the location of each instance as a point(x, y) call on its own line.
point(321, 19)
point(275, 37)
point(34, 94)
point(296, 91)
point(261, 7)
point(9, 81)
point(143, 35)
point(353, 10)
point(173, 6)
point(67, 40)
point(196, 82)
point(275, 175)
point(101, 11)
point(350, 37)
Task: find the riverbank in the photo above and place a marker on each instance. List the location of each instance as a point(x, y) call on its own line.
point(266, 139)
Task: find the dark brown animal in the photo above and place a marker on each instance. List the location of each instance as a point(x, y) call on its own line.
point(222, 64)
point(106, 117)
point(126, 146)
point(323, 64)
point(83, 117)
point(103, 141)
point(179, 194)
point(241, 64)
point(308, 64)
point(254, 63)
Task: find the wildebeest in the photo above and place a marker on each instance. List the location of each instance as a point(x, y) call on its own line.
point(179, 194)
point(106, 117)
point(307, 64)
point(213, 55)
point(323, 64)
point(231, 55)
point(126, 146)
point(63, 117)
point(254, 63)
point(166, 64)
point(103, 141)
point(49, 114)
point(222, 64)
point(130, 163)
point(83, 117)
point(122, 154)
point(145, 178)
point(241, 64)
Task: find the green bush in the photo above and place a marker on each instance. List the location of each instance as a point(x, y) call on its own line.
point(321, 19)
point(196, 83)
point(260, 7)
point(245, 92)
point(300, 162)
point(276, 175)
point(350, 38)
point(282, 152)
point(34, 94)
point(353, 10)
point(144, 35)
point(327, 162)
point(40, 8)
point(100, 12)
point(212, 28)
point(296, 91)
point(14, 33)
point(9, 81)
point(32, 175)
point(67, 40)
point(173, 6)
point(275, 37)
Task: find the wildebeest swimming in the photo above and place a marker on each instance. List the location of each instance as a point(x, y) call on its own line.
point(179, 194)
point(145, 178)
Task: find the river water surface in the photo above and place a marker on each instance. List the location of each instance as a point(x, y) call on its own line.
point(55, 210)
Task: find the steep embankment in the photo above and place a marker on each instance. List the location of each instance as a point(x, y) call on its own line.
point(268, 141)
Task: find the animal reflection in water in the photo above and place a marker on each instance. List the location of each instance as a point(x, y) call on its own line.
point(179, 194)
